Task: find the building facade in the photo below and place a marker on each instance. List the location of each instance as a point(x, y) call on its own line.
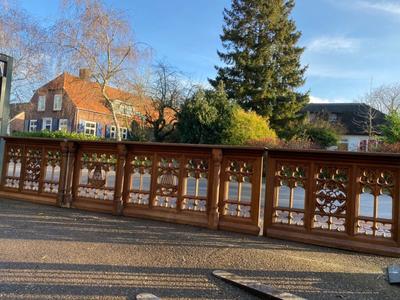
point(360, 122)
point(76, 104)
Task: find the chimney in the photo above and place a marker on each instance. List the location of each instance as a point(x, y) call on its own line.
point(85, 74)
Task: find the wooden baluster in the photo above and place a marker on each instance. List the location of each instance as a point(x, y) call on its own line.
point(63, 174)
point(119, 177)
point(71, 177)
point(352, 201)
point(270, 192)
point(6, 159)
point(213, 214)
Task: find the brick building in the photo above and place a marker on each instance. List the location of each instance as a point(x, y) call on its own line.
point(76, 104)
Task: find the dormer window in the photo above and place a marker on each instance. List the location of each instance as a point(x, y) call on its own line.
point(42, 103)
point(57, 102)
point(332, 117)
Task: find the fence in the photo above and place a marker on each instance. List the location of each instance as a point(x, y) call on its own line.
point(337, 199)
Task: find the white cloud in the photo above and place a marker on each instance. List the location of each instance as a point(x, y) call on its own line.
point(392, 7)
point(315, 99)
point(334, 72)
point(334, 44)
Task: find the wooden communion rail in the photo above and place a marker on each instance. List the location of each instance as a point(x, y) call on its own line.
point(337, 199)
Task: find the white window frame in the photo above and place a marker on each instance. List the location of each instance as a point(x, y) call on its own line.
point(42, 103)
point(124, 133)
point(113, 132)
point(63, 124)
point(89, 127)
point(44, 125)
point(32, 125)
point(57, 102)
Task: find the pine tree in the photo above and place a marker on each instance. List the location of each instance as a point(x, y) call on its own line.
point(262, 69)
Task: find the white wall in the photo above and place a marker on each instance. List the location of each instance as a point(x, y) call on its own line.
point(354, 141)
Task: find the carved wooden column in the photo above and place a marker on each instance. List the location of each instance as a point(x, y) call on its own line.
point(69, 174)
point(63, 173)
point(119, 178)
point(213, 214)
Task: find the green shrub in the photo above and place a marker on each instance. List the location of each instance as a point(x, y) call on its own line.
point(248, 126)
point(57, 135)
point(391, 130)
point(325, 137)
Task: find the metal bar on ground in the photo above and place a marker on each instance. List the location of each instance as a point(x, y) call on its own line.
point(255, 287)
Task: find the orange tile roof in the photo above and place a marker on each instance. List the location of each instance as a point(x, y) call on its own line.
point(87, 95)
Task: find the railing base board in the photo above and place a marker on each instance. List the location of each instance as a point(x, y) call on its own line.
point(158, 215)
point(93, 206)
point(39, 199)
point(239, 227)
point(345, 244)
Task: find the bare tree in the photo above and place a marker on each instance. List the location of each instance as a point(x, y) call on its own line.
point(366, 119)
point(385, 98)
point(100, 38)
point(167, 91)
point(25, 40)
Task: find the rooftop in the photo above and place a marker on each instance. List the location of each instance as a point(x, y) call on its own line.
point(351, 115)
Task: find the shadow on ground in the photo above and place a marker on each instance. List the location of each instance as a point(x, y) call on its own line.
point(24, 275)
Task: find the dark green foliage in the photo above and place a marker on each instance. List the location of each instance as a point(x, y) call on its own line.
point(206, 117)
point(262, 68)
point(57, 135)
point(139, 132)
point(324, 137)
point(391, 130)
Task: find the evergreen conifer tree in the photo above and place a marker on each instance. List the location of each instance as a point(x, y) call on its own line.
point(262, 69)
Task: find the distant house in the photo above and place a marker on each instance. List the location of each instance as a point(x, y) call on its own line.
point(354, 117)
point(76, 104)
point(17, 117)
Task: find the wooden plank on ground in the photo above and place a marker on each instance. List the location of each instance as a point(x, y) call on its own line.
point(255, 287)
point(394, 274)
point(147, 296)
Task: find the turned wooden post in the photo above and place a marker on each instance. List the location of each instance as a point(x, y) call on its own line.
point(63, 173)
point(70, 170)
point(119, 178)
point(213, 215)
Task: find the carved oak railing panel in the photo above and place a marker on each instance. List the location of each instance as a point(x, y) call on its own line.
point(376, 191)
point(32, 167)
point(290, 184)
point(195, 185)
point(94, 177)
point(13, 158)
point(345, 200)
point(139, 171)
point(167, 183)
point(331, 198)
point(239, 203)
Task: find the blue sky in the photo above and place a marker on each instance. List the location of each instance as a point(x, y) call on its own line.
point(351, 44)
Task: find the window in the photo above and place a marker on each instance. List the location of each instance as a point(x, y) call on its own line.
point(47, 124)
point(124, 133)
point(42, 103)
point(90, 128)
point(63, 125)
point(113, 132)
point(32, 125)
point(57, 102)
point(332, 117)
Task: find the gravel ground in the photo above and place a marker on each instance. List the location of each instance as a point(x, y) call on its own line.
point(54, 253)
